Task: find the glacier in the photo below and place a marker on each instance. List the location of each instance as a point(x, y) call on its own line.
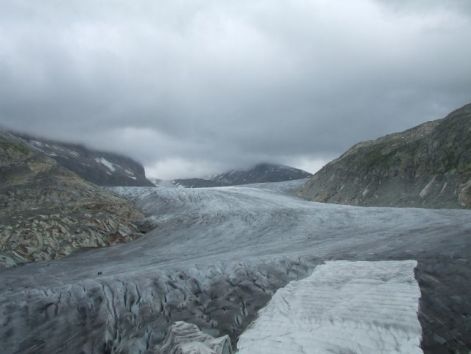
point(343, 307)
point(216, 257)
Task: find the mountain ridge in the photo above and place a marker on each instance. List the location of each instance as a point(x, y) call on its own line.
point(259, 173)
point(425, 166)
point(99, 167)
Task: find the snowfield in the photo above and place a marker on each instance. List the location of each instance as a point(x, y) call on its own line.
point(216, 257)
point(343, 307)
point(109, 165)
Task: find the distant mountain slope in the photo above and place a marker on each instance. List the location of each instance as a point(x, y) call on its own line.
point(101, 168)
point(426, 166)
point(196, 183)
point(47, 211)
point(260, 173)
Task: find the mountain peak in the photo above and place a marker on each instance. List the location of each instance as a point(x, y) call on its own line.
point(258, 173)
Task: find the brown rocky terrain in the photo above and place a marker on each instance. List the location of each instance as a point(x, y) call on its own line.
point(426, 166)
point(47, 211)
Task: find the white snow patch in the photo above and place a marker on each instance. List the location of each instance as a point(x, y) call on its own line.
point(109, 165)
point(343, 307)
point(444, 187)
point(423, 193)
point(36, 143)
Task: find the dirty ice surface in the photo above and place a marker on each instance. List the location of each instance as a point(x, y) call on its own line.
point(214, 259)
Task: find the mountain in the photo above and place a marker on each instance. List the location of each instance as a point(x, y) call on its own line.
point(426, 166)
point(98, 167)
point(47, 211)
point(260, 173)
point(196, 183)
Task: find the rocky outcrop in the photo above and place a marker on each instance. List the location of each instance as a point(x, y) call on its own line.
point(261, 173)
point(98, 167)
point(186, 338)
point(426, 166)
point(47, 211)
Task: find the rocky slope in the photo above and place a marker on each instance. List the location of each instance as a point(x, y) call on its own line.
point(260, 173)
point(426, 166)
point(98, 167)
point(47, 211)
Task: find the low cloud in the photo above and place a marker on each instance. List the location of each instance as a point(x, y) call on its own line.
point(190, 88)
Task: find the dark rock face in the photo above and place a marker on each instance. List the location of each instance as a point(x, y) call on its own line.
point(445, 308)
point(47, 211)
point(426, 166)
point(261, 173)
point(101, 168)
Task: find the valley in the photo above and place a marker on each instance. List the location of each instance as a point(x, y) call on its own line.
point(215, 257)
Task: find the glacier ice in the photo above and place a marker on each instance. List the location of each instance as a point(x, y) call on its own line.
point(215, 257)
point(186, 338)
point(343, 307)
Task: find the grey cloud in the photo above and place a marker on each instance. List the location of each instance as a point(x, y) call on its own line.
point(207, 85)
point(462, 7)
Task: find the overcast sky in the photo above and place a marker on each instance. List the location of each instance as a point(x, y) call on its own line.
point(195, 87)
